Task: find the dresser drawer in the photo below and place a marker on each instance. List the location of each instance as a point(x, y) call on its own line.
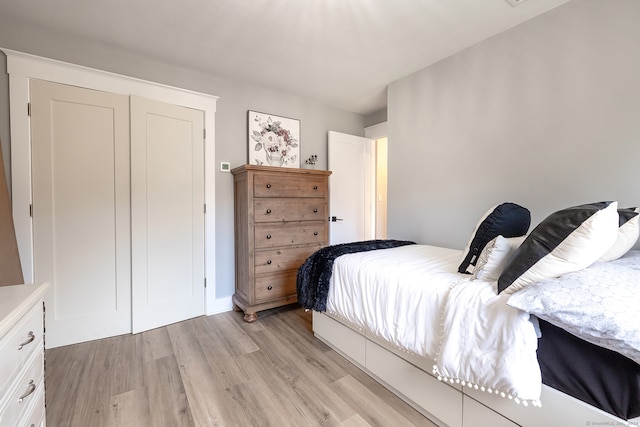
point(286, 234)
point(278, 209)
point(27, 389)
point(276, 286)
point(294, 186)
point(274, 260)
point(18, 345)
point(35, 418)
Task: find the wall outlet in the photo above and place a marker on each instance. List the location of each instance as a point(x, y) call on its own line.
point(225, 167)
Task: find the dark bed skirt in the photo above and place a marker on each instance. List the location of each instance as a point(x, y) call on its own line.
point(598, 376)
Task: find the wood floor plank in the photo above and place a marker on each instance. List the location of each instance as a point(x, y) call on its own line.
point(392, 401)
point(229, 337)
point(197, 376)
point(265, 399)
point(64, 368)
point(167, 399)
point(376, 411)
point(92, 406)
point(217, 371)
point(157, 344)
point(130, 409)
point(354, 421)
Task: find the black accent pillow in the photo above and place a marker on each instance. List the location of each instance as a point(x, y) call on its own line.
point(506, 219)
point(567, 240)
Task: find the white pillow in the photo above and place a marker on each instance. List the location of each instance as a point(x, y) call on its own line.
point(494, 257)
point(628, 234)
point(567, 240)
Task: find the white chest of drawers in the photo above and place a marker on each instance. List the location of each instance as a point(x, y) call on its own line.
point(22, 356)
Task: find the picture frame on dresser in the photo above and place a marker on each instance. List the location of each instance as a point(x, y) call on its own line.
point(273, 140)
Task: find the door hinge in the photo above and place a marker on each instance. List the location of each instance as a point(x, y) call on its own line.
point(205, 282)
point(205, 208)
point(204, 133)
point(29, 109)
point(31, 211)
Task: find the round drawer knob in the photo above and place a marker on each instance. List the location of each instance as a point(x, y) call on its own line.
point(315, 187)
point(269, 287)
point(268, 236)
point(268, 211)
point(268, 185)
point(315, 210)
point(268, 262)
point(315, 233)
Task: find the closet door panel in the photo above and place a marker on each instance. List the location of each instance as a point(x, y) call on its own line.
point(167, 164)
point(81, 210)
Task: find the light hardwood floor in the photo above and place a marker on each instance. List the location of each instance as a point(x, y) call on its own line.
point(217, 371)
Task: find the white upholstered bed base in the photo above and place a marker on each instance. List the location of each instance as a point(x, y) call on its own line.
point(451, 405)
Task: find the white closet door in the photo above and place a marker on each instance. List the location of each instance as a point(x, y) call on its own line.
point(81, 210)
point(167, 200)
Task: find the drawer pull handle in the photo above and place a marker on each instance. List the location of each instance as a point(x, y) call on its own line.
point(315, 187)
point(315, 233)
point(32, 388)
point(315, 210)
point(30, 338)
point(268, 262)
point(268, 185)
point(269, 287)
point(268, 211)
point(268, 236)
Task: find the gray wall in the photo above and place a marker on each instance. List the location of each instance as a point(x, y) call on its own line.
point(231, 118)
point(546, 114)
point(375, 118)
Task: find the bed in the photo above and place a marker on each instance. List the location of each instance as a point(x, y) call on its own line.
point(441, 335)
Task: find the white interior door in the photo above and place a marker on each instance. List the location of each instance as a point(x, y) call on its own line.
point(81, 210)
point(350, 187)
point(167, 201)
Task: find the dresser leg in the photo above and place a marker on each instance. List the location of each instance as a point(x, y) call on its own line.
point(236, 308)
point(250, 317)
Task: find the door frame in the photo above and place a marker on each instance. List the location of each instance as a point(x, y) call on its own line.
point(23, 67)
point(378, 133)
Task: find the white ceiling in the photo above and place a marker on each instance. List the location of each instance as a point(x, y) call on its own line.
point(341, 52)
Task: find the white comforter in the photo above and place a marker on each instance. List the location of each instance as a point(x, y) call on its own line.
point(413, 298)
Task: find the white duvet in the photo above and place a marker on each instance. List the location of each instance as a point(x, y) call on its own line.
point(413, 298)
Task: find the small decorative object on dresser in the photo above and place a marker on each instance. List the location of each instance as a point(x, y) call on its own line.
point(274, 140)
point(280, 219)
point(310, 163)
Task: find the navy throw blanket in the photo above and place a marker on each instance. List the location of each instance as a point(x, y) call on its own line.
point(312, 281)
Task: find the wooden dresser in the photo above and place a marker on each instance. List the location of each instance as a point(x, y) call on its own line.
point(22, 355)
point(281, 217)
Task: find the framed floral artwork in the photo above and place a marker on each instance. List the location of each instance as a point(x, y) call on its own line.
point(274, 140)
